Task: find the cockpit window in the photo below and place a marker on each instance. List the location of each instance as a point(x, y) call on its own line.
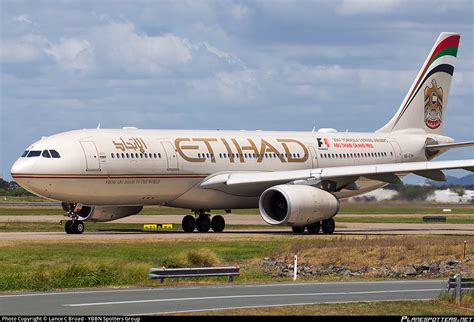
point(45, 154)
point(33, 154)
point(25, 154)
point(54, 154)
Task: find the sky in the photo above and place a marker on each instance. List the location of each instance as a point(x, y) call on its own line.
point(198, 64)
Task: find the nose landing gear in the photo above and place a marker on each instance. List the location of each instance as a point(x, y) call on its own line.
point(203, 222)
point(73, 226)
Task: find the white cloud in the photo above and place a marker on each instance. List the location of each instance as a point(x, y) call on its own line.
point(355, 7)
point(241, 12)
point(72, 54)
point(27, 48)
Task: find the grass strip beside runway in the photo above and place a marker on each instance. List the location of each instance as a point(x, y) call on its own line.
point(46, 265)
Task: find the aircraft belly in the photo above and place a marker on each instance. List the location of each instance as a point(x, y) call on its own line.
point(198, 198)
point(111, 191)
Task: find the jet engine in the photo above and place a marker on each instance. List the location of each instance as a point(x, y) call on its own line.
point(102, 213)
point(297, 205)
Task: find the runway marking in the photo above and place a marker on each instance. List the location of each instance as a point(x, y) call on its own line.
point(272, 305)
point(244, 296)
point(216, 287)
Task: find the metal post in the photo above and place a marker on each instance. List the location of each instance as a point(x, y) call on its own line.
point(465, 243)
point(295, 273)
point(230, 279)
point(457, 290)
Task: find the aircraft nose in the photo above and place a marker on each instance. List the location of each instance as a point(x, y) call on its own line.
point(20, 166)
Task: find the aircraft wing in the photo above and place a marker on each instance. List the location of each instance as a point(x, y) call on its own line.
point(388, 172)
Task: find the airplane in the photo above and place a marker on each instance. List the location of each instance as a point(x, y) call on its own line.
point(295, 178)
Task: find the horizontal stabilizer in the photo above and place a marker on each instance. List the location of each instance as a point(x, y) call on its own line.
point(447, 146)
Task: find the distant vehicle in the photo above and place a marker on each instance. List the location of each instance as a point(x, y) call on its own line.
point(295, 178)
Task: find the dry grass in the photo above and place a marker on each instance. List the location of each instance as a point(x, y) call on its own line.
point(378, 251)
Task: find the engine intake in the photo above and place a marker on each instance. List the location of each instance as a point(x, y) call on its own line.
point(297, 205)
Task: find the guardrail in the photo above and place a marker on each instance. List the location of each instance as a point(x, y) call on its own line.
point(459, 283)
point(162, 273)
point(434, 218)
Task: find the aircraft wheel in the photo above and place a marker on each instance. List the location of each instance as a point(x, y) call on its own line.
point(188, 224)
point(298, 229)
point(328, 226)
point(203, 223)
point(314, 228)
point(68, 227)
point(78, 227)
point(218, 224)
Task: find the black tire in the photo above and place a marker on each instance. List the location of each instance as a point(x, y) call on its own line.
point(218, 224)
point(188, 224)
point(298, 229)
point(203, 223)
point(314, 228)
point(78, 227)
point(328, 226)
point(68, 227)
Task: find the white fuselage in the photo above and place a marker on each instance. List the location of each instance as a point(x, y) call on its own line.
point(165, 167)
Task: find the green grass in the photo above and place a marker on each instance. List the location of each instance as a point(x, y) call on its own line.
point(52, 265)
point(409, 308)
point(402, 220)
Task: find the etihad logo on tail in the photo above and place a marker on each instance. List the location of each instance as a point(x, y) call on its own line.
point(433, 105)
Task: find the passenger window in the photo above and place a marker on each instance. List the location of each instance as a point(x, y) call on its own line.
point(146, 155)
point(112, 155)
point(45, 154)
point(117, 155)
point(126, 154)
point(131, 155)
point(25, 154)
point(123, 155)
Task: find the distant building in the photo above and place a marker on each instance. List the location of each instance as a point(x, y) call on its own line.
point(450, 196)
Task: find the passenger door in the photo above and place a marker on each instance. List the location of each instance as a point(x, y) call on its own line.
point(171, 156)
point(92, 156)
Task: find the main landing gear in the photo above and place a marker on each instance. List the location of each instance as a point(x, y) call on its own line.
point(328, 226)
point(203, 222)
point(73, 226)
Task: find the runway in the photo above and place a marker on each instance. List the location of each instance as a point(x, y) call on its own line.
point(169, 300)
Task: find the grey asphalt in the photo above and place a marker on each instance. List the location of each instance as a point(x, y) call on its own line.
point(168, 300)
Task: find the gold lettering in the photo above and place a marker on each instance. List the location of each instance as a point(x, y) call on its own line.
point(208, 145)
point(291, 158)
point(265, 147)
point(229, 151)
point(239, 150)
point(180, 149)
point(251, 147)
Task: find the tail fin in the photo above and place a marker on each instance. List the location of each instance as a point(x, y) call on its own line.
point(425, 105)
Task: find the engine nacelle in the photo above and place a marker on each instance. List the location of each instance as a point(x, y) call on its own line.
point(296, 205)
point(107, 213)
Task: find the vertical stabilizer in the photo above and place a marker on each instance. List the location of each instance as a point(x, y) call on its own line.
point(424, 106)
